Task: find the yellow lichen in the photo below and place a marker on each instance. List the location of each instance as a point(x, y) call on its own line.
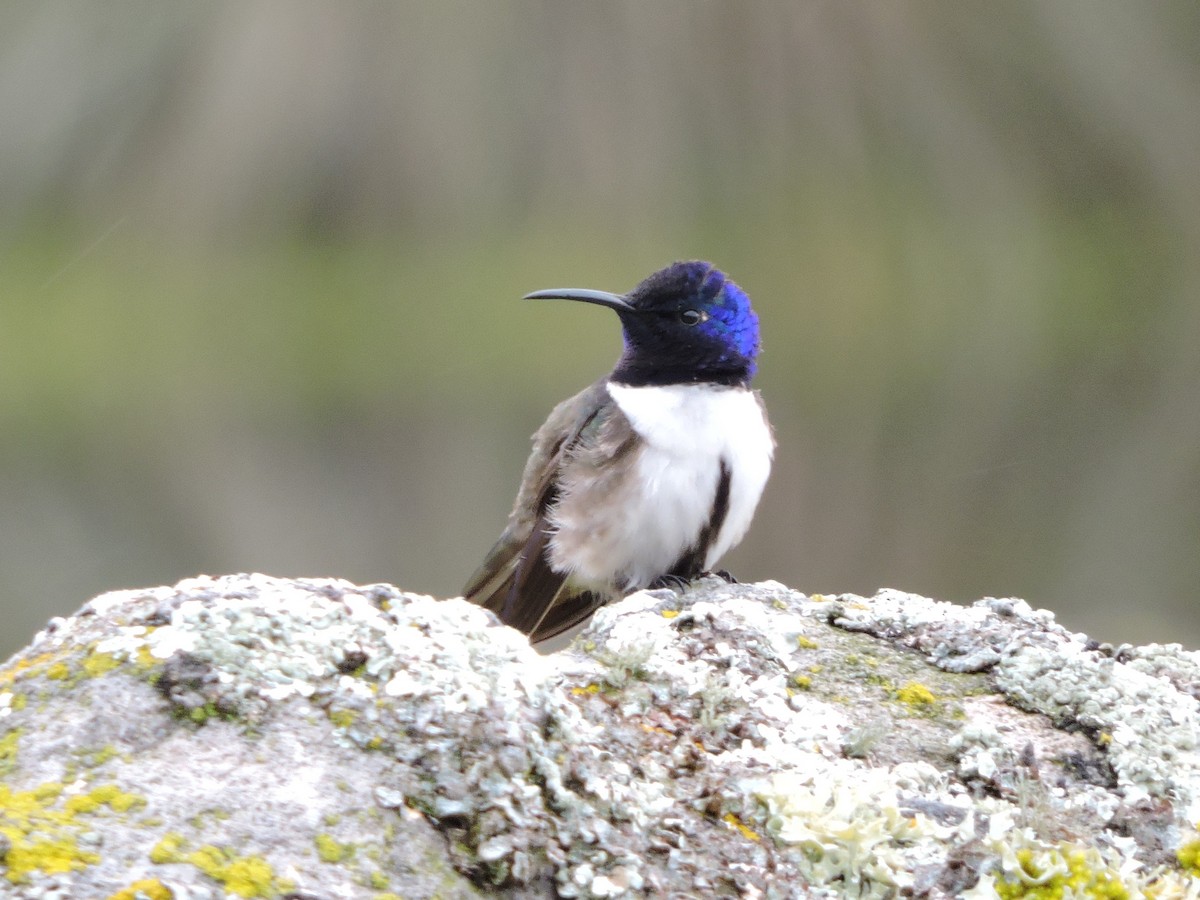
point(41, 836)
point(746, 831)
point(246, 876)
point(144, 658)
point(592, 688)
point(670, 613)
point(47, 791)
point(9, 675)
point(51, 856)
point(95, 664)
point(1188, 855)
point(330, 850)
point(150, 888)
point(169, 849)
point(916, 694)
point(105, 795)
point(8, 750)
point(1051, 873)
point(804, 642)
point(802, 681)
point(58, 671)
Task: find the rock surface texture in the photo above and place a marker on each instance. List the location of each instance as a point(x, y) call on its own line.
point(249, 736)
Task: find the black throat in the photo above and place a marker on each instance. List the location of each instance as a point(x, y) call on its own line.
point(645, 373)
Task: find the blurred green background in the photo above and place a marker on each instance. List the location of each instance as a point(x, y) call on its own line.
point(260, 265)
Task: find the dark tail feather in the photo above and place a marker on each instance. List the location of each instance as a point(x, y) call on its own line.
point(568, 612)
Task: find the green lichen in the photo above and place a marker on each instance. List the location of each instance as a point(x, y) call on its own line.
point(626, 665)
point(377, 880)
point(201, 714)
point(201, 820)
point(342, 718)
point(96, 758)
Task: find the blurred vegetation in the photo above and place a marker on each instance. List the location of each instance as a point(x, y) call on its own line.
point(261, 260)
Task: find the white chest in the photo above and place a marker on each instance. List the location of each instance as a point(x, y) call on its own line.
point(689, 431)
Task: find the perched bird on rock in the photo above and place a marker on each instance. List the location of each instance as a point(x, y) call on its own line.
point(648, 476)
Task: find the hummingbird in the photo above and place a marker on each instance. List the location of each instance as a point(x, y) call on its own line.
point(647, 477)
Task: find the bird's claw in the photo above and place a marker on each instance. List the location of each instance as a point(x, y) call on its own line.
point(674, 582)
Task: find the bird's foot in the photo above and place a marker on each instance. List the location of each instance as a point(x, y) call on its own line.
point(724, 575)
point(674, 582)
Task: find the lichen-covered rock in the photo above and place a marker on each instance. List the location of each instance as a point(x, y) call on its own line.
point(250, 736)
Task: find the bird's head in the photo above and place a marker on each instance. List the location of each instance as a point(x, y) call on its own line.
point(687, 323)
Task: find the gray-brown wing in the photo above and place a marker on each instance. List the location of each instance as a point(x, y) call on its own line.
point(515, 579)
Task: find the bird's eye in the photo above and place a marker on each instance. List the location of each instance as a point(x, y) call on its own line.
point(692, 316)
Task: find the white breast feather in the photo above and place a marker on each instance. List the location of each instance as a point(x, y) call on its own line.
point(688, 430)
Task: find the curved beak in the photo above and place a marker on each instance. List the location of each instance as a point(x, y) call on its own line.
point(602, 298)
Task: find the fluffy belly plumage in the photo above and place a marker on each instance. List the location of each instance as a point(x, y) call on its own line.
point(621, 527)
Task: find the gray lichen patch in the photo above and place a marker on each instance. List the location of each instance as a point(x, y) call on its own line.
point(323, 739)
point(1149, 728)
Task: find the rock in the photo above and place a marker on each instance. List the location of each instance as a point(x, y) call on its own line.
point(249, 736)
